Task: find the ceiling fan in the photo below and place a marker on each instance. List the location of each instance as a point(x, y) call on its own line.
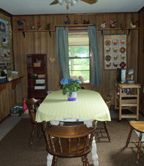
point(71, 2)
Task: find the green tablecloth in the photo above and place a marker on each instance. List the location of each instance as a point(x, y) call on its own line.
point(89, 105)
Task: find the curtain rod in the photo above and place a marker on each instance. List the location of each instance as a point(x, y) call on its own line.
point(76, 26)
point(73, 25)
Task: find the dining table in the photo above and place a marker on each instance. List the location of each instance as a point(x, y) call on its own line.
point(88, 106)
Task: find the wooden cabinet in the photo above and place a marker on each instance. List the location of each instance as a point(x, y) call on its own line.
point(37, 75)
point(127, 98)
point(8, 97)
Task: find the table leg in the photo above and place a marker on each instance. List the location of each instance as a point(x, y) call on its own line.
point(49, 159)
point(94, 153)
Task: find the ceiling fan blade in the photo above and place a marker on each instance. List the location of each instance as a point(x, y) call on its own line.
point(89, 1)
point(54, 2)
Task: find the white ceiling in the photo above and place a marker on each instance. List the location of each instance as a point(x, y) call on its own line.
point(27, 7)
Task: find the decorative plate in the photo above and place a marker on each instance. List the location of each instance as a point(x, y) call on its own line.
point(122, 49)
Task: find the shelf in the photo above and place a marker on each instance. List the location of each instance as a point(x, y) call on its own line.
point(78, 26)
point(129, 99)
point(30, 30)
point(107, 29)
point(128, 96)
point(126, 86)
point(37, 75)
point(129, 116)
point(13, 83)
point(128, 105)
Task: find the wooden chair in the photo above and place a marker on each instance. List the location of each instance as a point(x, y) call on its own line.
point(88, 86)
point(69, 141)
point(36, 127)
point(102, 133)
point(139, 127)
point(101, 130)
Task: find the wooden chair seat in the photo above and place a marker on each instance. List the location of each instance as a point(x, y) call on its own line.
point(139, 127)
point(69, 141)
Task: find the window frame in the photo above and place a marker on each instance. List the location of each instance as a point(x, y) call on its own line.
point(80, 29)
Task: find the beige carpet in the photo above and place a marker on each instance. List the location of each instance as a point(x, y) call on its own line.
point(14, 149)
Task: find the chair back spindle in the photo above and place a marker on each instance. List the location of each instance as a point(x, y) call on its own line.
point(69, 141)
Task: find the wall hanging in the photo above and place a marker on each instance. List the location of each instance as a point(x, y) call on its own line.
point(115, 51)
point(5, 44)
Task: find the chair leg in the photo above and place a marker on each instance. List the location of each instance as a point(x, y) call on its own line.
point(129, 137)
point(38, 130)
point(105, 127)
point(85, 160)
point(139, 147)
point(40, 133)
point(32, 133)
point(54, 161)
point(100, 130)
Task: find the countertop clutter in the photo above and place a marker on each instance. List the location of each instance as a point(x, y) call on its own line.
point(7, 76)
point(3, 79)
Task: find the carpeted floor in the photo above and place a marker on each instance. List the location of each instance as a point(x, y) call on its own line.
point(15, 151)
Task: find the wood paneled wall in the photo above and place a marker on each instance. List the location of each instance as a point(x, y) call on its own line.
point(141, 58)
point(35, 41)
point(141, 47)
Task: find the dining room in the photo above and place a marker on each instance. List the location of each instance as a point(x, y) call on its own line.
point(79, 62)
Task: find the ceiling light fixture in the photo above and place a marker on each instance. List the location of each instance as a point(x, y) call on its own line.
point(69, 3)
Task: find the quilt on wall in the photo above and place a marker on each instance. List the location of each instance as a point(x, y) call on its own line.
point(115, 51)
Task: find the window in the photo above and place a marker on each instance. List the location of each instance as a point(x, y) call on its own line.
point(79, 56)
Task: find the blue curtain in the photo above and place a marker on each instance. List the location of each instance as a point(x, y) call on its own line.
point(95, 69)
point(62, 50)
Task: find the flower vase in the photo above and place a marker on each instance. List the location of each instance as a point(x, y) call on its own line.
point(72, 96)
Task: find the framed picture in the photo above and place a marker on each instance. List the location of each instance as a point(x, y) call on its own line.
point(115, 51)
point(6, 61)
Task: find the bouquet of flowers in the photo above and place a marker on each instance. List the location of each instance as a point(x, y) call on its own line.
point(70, 85)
